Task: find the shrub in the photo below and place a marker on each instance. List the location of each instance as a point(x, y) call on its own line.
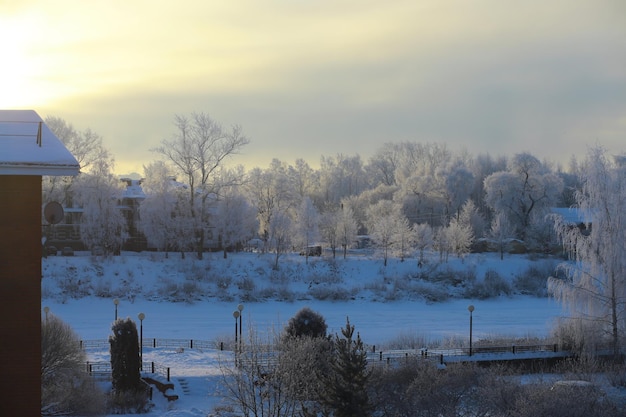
point(65, 387)
point(533, 281)
point(306, 322)
point(493, 285)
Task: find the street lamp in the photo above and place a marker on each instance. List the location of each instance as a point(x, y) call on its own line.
point(141, 316)
point(470, 308)
point(116, 302)
point(46, 310)
point(240, 308)
point(236, 315)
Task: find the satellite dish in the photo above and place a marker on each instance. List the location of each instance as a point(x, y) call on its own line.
point(53, 212)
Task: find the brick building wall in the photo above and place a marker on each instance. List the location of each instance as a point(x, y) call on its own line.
point(20, 295)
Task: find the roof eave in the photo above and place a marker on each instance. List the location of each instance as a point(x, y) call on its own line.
point(33, 169)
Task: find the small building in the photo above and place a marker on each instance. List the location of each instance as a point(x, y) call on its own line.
point(28, 151)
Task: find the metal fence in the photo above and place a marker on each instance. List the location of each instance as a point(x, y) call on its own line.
point(95, 344)
point(102, 370)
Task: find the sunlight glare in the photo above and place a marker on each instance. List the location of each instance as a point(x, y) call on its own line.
point(19, 71)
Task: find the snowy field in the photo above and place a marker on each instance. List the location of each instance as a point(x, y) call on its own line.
point(192, 299)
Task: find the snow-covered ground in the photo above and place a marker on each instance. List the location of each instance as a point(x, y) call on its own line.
point(382, 302)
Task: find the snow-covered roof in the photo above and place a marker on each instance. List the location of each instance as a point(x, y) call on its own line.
point(570, 215)
point(28, 147)
point(133, 189)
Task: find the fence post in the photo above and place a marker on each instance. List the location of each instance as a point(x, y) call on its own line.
point(555, 350)
point(441, 359)
point(221, 345)
point(191, 344)
point(381, 355)
point(168, 374)
point(513, 349)
point(154, 342)
point(374, 349)
point(152, 367)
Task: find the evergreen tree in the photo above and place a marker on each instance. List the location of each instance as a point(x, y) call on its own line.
point(125, 361)
point(346, 385)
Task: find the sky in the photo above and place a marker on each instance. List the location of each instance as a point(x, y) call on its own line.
point(308, 78)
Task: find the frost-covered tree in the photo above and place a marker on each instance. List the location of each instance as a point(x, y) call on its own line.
point(458, 181)
point(384, 220)
point(595, 288)
point(198, 150)
point(525, 191)
point(328, 228)
point(404, 238)
point(341, 176)
point(156, 210)
point(306, 225)
point(236, 221)
point(102, 223)
point(459, 237)
point(501, 231)
point(346, 228)
point(424, 238)
point(280, 230)
point(270, 191)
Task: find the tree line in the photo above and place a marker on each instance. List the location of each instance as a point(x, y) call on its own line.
point(408, 198)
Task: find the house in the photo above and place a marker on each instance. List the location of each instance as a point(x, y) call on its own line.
point(28, 151)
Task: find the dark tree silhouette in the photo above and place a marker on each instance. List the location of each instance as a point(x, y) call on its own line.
point(125, 361)
point(346, 384)
point(306, 322)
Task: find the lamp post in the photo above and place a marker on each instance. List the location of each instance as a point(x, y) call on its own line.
point(116, 302)
point(470, 308)
point(141, 316)
point(46, 310)
point(236, 315)
point(240, 308)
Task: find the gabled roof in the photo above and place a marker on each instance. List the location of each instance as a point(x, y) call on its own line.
point(28, 147)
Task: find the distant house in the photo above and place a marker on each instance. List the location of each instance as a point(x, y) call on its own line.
point(67, 233)
point(575, 217)
point(28, 151)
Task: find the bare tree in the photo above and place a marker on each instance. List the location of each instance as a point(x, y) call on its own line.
point(254, 385)
point(87, 148)
point(66, 389)
point(595, 287)
point(198, 151)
